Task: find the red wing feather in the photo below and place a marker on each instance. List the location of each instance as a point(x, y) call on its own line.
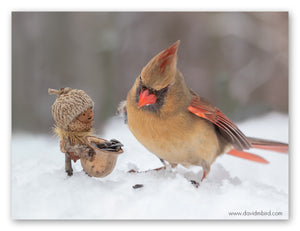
point(205, 110)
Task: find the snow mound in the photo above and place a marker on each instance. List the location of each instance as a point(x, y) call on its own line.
point(234, 189)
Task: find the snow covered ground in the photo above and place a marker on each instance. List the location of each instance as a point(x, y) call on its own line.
point(42, 190)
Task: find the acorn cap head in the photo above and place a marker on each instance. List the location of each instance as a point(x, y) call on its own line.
point(68, 105)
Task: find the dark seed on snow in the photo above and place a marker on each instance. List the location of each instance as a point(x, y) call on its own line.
point(138, 186)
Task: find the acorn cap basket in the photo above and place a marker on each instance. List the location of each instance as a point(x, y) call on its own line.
point(103, 162)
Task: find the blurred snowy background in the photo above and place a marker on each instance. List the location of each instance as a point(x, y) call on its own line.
point(238, 61)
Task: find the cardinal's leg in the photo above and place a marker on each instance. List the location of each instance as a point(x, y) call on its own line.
point(150, 170)
point(156, 169)
point(206, 168)
point(173, 165)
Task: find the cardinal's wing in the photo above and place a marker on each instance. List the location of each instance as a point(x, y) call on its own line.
point(227, 128)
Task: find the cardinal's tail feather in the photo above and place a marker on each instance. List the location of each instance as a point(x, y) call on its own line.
point(247, 156)
point(268, 145)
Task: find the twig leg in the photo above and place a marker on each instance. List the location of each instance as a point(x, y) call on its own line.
point(68, 164)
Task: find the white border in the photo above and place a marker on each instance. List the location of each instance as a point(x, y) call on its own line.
point(153, 5)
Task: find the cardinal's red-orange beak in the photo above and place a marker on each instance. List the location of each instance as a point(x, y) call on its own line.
point(146, 98)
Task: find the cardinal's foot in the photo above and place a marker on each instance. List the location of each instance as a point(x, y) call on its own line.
point(69, 172)
point(150, 170)
point(195, 183)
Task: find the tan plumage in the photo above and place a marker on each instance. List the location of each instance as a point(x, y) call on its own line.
point(173, 133)
point(174, 123)
point(169, 133)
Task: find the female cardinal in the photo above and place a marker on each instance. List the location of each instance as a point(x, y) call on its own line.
point(177, 125)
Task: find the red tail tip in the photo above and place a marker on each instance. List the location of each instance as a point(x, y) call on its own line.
point(247, 156)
